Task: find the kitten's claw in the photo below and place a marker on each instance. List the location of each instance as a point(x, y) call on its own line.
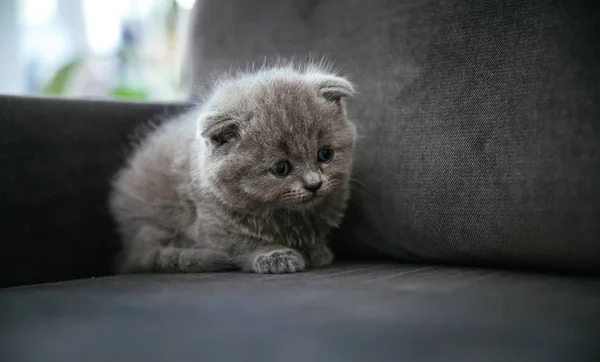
point(279, 261)
point(320, 256)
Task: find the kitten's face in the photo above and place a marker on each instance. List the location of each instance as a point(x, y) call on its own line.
point(290, 148)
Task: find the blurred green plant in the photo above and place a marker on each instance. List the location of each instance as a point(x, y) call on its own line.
point(129, 84)
point(125, 91)
point(57, 85)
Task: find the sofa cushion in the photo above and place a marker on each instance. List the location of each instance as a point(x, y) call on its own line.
point(478, 119)
point(56, 161)
point(357, 312)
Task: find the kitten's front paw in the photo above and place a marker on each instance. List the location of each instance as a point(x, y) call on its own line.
point(320, 256)
point(279, 261)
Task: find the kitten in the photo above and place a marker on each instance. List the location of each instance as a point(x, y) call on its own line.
point(254, 179)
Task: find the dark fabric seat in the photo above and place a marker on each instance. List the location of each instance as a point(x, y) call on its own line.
point(351, 312)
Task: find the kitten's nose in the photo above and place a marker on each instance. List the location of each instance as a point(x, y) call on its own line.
point(312, 181)
point(313, 187)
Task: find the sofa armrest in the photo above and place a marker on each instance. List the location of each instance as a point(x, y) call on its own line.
point(56, 159)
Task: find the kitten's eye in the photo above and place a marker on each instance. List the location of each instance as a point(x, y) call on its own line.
point(325, 154)
point(281, 169)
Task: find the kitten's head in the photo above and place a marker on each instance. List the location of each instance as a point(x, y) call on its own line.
point(278, 139)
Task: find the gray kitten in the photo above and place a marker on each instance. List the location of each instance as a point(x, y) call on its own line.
point(254, 179)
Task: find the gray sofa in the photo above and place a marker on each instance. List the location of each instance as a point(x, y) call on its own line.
point(473, 230)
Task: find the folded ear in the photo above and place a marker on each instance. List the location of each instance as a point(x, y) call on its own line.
point(335, 88)
point(219, 129)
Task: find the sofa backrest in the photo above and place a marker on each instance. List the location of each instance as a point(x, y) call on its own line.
point(57, 158)
point(479, 120)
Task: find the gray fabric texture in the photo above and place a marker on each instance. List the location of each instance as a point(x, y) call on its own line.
point(358, 312)
point(56, 160)
point(479, 119)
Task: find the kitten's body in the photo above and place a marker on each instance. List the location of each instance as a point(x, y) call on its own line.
point(197, 195)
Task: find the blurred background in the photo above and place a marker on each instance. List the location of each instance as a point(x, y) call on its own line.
point(119, 49)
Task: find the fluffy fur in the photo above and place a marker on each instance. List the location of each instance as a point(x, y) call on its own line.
point(199, 194)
